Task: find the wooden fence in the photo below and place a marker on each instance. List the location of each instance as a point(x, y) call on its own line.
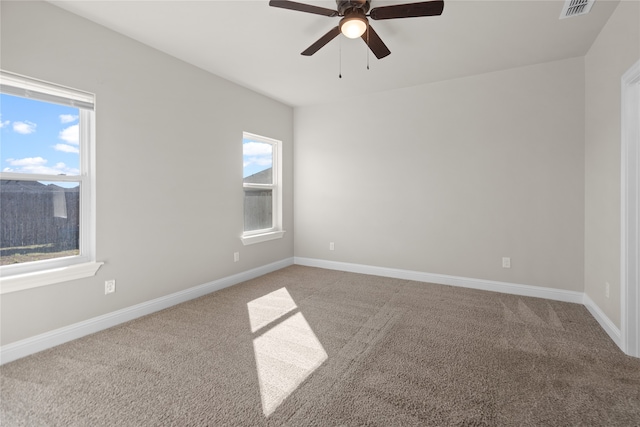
point(32, 213)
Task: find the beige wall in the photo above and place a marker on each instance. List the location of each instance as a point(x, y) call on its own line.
point(615, 50)
point(450, 177)
point(169, 167)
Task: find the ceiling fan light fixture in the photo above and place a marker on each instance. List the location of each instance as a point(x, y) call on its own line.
point(353, 26)
point(355, 22)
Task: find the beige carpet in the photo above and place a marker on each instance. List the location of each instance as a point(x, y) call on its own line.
point(312, 347)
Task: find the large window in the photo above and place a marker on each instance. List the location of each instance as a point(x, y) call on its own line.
point(262, 188)
point(46, 182)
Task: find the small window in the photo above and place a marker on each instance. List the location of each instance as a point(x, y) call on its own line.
point(46, 179)
point(262, 189)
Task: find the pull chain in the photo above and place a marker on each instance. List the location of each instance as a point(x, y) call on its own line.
point(340, 58)
point(368, 47)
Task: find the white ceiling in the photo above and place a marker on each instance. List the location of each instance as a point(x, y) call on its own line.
point(259, 47)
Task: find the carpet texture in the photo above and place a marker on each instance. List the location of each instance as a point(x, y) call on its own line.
point(310, 347)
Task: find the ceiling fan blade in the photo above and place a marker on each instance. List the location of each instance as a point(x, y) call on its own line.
point(375, 43)
point(300, 7)
point(411, 10)
point(322, 41)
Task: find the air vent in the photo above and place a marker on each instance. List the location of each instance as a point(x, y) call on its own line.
point(573, 8)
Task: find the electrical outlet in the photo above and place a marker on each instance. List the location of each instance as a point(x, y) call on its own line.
point(236, 256)
point(331, 246)
point(506, 262)
point(606, 289)
point(109, 286)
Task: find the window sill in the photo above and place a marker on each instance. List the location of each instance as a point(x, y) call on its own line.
point(257, 238)
point(21, 282)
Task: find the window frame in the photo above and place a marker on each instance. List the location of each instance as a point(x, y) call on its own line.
point(32, 274)
point(275, 231)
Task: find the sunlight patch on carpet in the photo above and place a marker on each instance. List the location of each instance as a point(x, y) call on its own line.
point(269, 308)
point(287, 350)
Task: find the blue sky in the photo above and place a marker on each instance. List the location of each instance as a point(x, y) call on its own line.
point(38, 137)
point(256, 156)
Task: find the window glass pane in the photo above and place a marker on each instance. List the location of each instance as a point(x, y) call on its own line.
point(39, 137)
point(258, 212)
point(257, 161)
point(38, 220)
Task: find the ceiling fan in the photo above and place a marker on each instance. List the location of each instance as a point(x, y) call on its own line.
point(355, 24)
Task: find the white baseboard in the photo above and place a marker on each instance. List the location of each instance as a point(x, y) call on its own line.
point(28, 346)
point(488, 285)
point(442, 279)
point(609, 327)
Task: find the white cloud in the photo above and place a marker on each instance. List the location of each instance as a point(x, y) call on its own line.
point(260, 161)
point(68, 118)
point(66, 148)
point(24, 128)
point(38, 165)
point(5, 123)
point(70, 134)
point(27, 161)
point(256, 149)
